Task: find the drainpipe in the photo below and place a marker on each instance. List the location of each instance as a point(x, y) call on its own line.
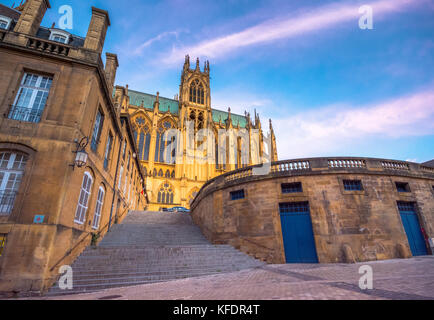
point(114, 184)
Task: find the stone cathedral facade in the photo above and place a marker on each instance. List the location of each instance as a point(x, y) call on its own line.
point(210, 142)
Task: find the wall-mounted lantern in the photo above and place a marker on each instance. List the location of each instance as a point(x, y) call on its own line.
point(80, 153)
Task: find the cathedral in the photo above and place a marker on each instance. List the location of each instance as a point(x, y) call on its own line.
point(183, 142)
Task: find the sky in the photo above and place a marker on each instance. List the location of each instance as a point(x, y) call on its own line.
point(330, 87)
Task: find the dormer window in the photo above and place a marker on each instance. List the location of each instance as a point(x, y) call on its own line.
point(59, 36)
point(5, 22)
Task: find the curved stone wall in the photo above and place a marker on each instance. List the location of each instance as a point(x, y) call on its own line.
point(348, 226)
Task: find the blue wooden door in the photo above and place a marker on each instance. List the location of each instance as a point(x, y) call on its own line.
point(412, 228)
point(297, 233)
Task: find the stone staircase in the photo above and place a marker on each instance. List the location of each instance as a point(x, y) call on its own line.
point(151, 247)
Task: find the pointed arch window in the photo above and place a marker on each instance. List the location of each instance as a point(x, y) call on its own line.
point(165, 150)
point(197, 92)
point(165, 194)
point(142, 135)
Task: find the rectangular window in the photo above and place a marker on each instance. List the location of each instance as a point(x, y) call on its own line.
point(98, 208)
point(402, 187)
point(2, 243)
point(294, 207)
point(4, 24)
point(120, 177)
point(406, 206)
point(129, 160)
point(236, 195)
point(353, 185)
point(124, 148)
point(31, 98)
point(292, 187)
point(108, 148)
point(12, 167)
point(97, 130)
point(83, 200)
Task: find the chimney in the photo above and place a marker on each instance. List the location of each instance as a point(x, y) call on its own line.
point(31, 16)
point(111, 65)
point(97, 30)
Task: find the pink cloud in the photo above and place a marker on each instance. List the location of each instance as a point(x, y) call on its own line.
point(333, 128)
point(269, 31)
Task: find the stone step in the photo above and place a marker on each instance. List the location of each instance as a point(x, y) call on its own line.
point(150, 247)
point(86, 274)
point(117, 277)
point(98, 287)
point(156, 266)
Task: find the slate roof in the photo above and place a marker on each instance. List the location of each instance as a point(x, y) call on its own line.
point(75, 41)
point(429, 163)
point(9, 12)
point(136, 99)
point(43, 32)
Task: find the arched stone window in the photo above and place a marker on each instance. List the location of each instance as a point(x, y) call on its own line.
point(12, 165)
point(167, 175)
point(142, 135)
point(98, 208)
point(160, 173)
point(197, 92)
point(165, 194)
point(165, 151)
point(83, 199)
point(173, 174)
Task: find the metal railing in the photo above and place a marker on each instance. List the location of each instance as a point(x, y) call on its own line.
point(25, 114)
point(7, 199)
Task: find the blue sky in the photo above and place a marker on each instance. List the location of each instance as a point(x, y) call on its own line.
point(331, 88)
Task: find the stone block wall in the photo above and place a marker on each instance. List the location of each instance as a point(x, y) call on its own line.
point(348, 226)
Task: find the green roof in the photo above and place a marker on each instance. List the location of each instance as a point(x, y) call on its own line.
point(136, 99)
point(223, 115)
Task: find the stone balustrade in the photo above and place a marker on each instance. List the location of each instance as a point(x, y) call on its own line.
point(317, 166)
point(343, 163)
point(290, 166)
point(48, 46)
point(395, 165)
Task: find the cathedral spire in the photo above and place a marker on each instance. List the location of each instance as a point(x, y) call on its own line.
point(187, 62)
point(197, 65)
point(229, 120)
point(157, 103)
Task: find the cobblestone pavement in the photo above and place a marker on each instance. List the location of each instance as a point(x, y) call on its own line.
point(393, 279)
